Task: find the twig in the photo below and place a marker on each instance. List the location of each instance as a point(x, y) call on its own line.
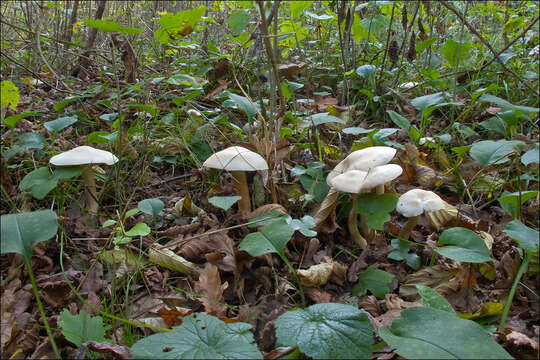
point(486, 44)
point(169, 180)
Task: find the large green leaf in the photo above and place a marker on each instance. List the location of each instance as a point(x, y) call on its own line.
point(526, 237)
point(364, 71)
point(489, 152)
point(178, 25)
point(9, 94)
point(327, 331)
point(111, 26)
point(452, 48)
point(238, 21)
point(298, 7)
point(531, 156)
point(271, 239)
point(22, 231)
point(399, 120)
point(39, 182)
point(462, 244)
point(426, 101)
point(428, 333)
point(200, 336)
point(505, 105)
point(60, 123)
point(82, 327)
point(12, 120)
point(373, 203)
point(244, 104)
point(431, 298)
point(323, 118)
point(510, 202)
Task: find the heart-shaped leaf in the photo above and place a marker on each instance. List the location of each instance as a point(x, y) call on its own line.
point(327, 331)
point(22, 231)
point(39, 182)
point(224, 202)
point(401, 252)
point(374, 280)
point(200, 336)
point(526, 237)
point(428, 333)
point(271, 239)
point(151, 206)
point(462, 244)
point(489, 152)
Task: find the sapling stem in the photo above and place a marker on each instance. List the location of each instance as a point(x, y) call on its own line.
point(41, 310)
point(513, 291)
point(353, 225)
point(240, 184)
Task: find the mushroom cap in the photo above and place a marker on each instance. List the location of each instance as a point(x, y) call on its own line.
point(236, 158)
point(381, 175)
point(363, 159)
point(350, 181)
point(416, 201)
point(83, 155)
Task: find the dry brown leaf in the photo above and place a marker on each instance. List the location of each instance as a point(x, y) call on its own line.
point(266, 209)
point(291, 71)
point(222, 85)
point(217, 248)
point(316, 275)
point(174, 316)
point(211, 289)
point(317, 295)
point(325, 211)
point(439, 277)
point(117, 351)
point(279, 352)
point(169, 260)
point(518, 339)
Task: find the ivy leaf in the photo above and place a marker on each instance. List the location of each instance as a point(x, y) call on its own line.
point(374, 280)
point(271, 239)
point(82, 327)
point(200, 336)
point(327, 331)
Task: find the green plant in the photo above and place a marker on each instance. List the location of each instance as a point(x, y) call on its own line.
point(20, 233)
point(82, 327)
point(123, 236)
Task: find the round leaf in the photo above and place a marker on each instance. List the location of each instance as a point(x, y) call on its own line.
point(200, 336)
point(151, 206)
point(327, 331)
point(428, 333)
point(463, 245)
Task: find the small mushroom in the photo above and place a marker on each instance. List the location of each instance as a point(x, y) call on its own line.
point(415, 202)
point(238, 160)
point(87, 156)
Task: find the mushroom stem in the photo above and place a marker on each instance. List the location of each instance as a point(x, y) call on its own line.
point(407, 228)
point(380, 189)
point(353, 225)
point(240, 184)
point(366, 231)
point(90, 190)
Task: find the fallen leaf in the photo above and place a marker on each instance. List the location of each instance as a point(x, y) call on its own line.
point(117, 351)
point(211, 289)
point(327, 210)
point(316, 275)
point(174, 316)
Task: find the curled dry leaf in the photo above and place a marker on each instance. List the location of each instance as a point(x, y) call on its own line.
point(169, 260)
point(439, 277)
point(117, 351)
point(316, 275)
point(327, 211)
point(211, 290)
point(185, 207)
point(217, 248)
point(521, 340)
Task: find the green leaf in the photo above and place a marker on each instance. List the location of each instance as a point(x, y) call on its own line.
point(11, 121)
point(510, 201)
point(526, 237)
point(271, 239)
point(373, 203)
point(376, 221)
point(426, 101)
point(401, 252)
point(9, 94)
point(505, 105)
point(489, 152)
point(224, 202)
point(365, 71)
point(60, 106)
point(151, 206)
point(200, 336)
point(494, 124)
point(25, 141)
point(178, 25)
point(532, 156)
point(21, 232)
point(432, 299)
point(238, 21)
point(304, 225)
point(60, 123)
point(39, 182)
point(67, 172)
point(140, 229)
point(298, 7)
point(109, 117)
point(111, 26)
point(182, 79)
point(244, 104)
point(428, 333)
point(399, 120)
point(323, 118)
point(132, 212)
point(452, 48)
point(327, 331)
point(82, 327)
point(264, 219)
point(374, 280)
point(464, 245)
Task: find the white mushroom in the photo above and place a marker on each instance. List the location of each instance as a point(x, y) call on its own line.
point(88, 156)
point(238, 160)
point(415, 202)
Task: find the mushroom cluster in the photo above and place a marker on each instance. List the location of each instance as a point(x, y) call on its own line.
point(87, 156)
point(360, 172)
point(416, 202)
point(238, 160)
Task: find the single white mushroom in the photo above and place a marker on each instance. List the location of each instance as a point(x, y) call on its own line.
point(237, 160)
point(416, 202)
point(87, 156)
